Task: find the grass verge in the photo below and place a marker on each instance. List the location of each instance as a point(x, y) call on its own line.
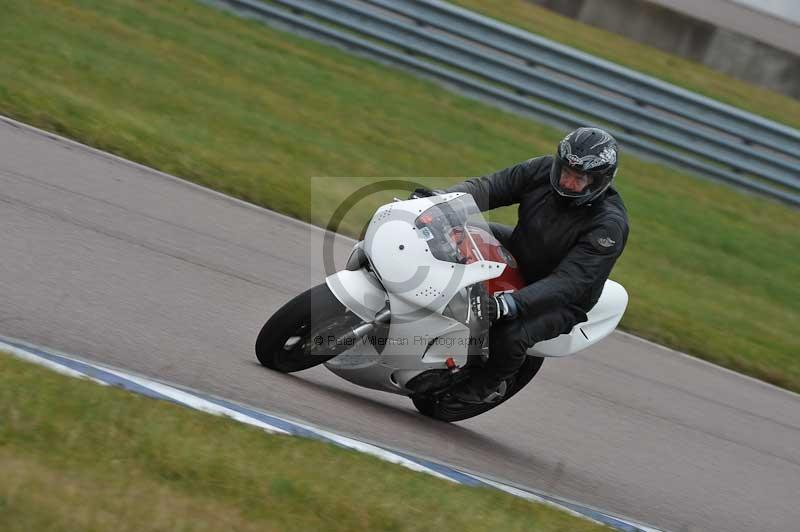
point(78, 456)
point(643, 58)
point(254, 113)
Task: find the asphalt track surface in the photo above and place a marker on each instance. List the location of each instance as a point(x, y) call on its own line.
point(126, 266)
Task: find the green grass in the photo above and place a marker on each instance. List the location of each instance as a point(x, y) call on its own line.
point(78, 456)
point(646, 59)
point(255, 113)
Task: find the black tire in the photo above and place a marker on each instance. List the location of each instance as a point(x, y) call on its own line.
point(449, 410)
point(286, 344)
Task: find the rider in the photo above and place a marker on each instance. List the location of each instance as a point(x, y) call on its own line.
point(572, 228)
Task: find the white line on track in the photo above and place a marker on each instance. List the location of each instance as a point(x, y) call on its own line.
point(195, 402)
point(61, 363)
point(35, 359)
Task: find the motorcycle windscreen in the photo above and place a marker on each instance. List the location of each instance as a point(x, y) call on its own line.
point(456, 231)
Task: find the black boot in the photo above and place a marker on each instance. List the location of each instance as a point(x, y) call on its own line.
point(476, 392)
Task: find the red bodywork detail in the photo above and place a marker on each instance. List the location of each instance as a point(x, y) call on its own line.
point(425, 218)
point(510, 280)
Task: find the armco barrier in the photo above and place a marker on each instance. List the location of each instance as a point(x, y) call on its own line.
point(544, 79)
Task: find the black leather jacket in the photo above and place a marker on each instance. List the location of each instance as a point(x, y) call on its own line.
point(566, 253)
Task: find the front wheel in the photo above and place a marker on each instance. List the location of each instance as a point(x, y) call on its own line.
point(287, 343)
point(447, 409)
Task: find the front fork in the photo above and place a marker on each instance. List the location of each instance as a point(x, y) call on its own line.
point(366, 328)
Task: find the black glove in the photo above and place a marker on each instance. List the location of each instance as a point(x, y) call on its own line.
point(424, 193)
point(493, 308)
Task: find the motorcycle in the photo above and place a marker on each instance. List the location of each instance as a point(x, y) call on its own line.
point(398, 317)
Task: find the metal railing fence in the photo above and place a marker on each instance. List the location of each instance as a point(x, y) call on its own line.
point(540, 78)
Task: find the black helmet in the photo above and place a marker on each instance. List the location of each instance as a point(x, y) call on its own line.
point(590, 153)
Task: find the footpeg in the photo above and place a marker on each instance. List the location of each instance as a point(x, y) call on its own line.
point(498, 394)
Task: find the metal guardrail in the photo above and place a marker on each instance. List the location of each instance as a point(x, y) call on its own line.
point(550, 81)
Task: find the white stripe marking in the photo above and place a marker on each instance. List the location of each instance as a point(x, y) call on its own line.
point(529, 496)
point(372, 450)
point(196, 402)
point(36, 359)
point(167, 391)
point(535, 498)
point(709, 364)
point(203, 405)
point(213, 408)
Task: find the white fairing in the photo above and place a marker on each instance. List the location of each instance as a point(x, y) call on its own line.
point(602, 320)
point(359, 291)
point(417, 287)
point(413, 278)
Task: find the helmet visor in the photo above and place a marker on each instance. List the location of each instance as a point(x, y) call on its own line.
point(574, 183)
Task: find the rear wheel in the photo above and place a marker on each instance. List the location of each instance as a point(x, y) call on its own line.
point(448, 409)
point(286, 342)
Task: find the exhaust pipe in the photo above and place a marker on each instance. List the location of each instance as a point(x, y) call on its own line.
point(367, 328)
